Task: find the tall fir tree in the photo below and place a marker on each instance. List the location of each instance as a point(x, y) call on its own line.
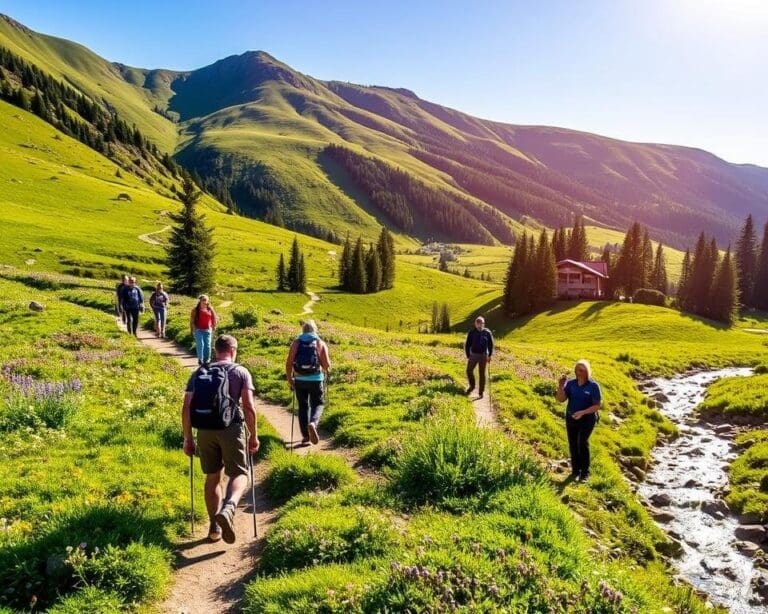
point(282, 275)
point(191, 250)
point(725, 291)
point(658, 278)
point(684, 284)
point(445, 319)
point(372, 270)
point(294, 267)
point(345, 265)
point(608, 258)
point(386, 249)
point(357, 277)
point(578, 244)
point(545, 274)
point(760, 290)
point(630, 266)
point(301, 285)
point(560, 244)
point(647, 258)
point(746, 261)
point(703, 268)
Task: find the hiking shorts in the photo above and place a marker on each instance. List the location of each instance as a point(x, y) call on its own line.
point(227, 448)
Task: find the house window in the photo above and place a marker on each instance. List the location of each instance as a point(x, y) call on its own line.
point(574, 277)
point(562, 277)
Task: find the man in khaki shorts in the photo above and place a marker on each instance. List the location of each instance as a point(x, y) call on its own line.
point(223, 450)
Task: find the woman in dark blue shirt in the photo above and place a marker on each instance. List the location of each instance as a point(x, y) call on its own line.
point(584, 398)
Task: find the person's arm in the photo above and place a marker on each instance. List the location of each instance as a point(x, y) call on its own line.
point(249, 411)
point(141, 299)
point(289, 364)
point(467, 343)
point(560, 394)
point(192, 323)
point(186, 425)
point(490, 345)
point(214, 319)
point(597, 399)
point(325, 360)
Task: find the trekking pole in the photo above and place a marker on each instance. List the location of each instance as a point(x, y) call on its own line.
point(293, 414)
point(253, 497)
point(192, 491)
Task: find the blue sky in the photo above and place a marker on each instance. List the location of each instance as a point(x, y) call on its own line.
point(689, 72)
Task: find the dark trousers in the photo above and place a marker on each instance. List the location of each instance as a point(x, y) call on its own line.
point(310, 397)
point(476, 360)
point(132, 316)
point(578, 441)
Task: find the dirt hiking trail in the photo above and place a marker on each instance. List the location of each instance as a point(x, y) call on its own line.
point(149, 238)
point(211, 577)
point(313, 298)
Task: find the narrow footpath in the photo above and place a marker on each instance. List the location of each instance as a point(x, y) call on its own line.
point(211, 577)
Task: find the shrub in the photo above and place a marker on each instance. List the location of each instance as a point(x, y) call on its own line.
point(306, 536)
point(290, 474)
point(649, 296)
point(246, 318)
point(89, 599)
point(761, 369)
point(19, 411)
point(455, 464)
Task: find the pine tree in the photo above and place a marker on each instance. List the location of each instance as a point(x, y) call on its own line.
point(345, 265)
point(658, 276)
point(357, 277)
point(703, 268)
point(386, 249)
point(191, 249)
point(445, 319)
point(684, 285)
point(725, 292)
point(435, 318)
point(294, 267)
point(647, 258)
point(282, 277)
point(607, 257)
point(630, 266)
point(560, 244)
point(545, 274)
point(578, 245)
point(760, 291)
point(746, 261)
point(302, 278)
point(373, 270)
point(508, 298)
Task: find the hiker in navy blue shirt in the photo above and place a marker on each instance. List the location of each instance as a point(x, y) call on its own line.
point(479, 348)
point(133, 304)
point(584, 398)
point(307, 369)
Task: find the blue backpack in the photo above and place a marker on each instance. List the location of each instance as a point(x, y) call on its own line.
point(307, 360)
point(132, 297)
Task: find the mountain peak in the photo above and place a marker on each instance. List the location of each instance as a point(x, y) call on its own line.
point(15, 24)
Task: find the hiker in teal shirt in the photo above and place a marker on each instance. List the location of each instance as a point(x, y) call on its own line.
point(307, 369)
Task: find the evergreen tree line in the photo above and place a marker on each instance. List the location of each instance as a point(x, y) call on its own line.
point(365, 271)
point(96, 125)
point(417, 208)
point(571, 244)
point(294, 277)
point(191, 250)
point(441, 318)
point(636, 266)
point(752, 266)
point(531, 281)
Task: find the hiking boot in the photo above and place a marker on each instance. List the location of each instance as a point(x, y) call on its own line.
point(214, 532)
point(480, 396)
point(583, 477)
point(304, 441)
point(225, 519)
point(313, 434)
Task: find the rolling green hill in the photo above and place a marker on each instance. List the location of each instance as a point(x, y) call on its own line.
point(255, 131)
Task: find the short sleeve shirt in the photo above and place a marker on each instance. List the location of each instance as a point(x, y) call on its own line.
point(581, 397)
point(239, 380)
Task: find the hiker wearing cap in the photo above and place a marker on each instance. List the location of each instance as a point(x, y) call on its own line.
point(133, 305)
point(159, 303)
point(307, 368)
point(202, 325)
point(219, 403)
point(119, 310)
point(584, 398)
point(479, 348)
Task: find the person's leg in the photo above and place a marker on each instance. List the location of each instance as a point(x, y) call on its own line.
point(133, 318)
point(207, 345)
point(214, 492)
point(572, 428)
point(471, 362)
point(163, 320)
point(585, 430)
point(481, 367)
point(156, 313)
point(303, 403)
point(199, 344)
point(212, 464)
point(234, 445)
point(317, 405)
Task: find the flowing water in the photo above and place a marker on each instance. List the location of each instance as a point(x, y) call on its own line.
point(690, 470)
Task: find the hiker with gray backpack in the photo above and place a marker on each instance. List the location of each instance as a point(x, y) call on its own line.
point(307, 369)
point(219, 403)
point(133, 305)
point(478, 347)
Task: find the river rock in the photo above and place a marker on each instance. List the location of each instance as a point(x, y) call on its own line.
point(638, 473)
point(723, 428)
point(760, 586)
point(35, 306)
point(692, 484)
point(717, 508)
point(747, 548)
point(751, 532)
point(661, 515)
point(661, 499)
point(660, 397)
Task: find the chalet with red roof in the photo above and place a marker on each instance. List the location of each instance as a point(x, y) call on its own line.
point(581, 279)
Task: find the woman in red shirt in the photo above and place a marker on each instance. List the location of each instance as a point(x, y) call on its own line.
point(202, 325)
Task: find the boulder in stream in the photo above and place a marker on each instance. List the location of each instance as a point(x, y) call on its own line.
point(755, 533)
point(661, 515)
point(638, 473)
point(661, 499)
point(717, 508)
point(747, 548)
